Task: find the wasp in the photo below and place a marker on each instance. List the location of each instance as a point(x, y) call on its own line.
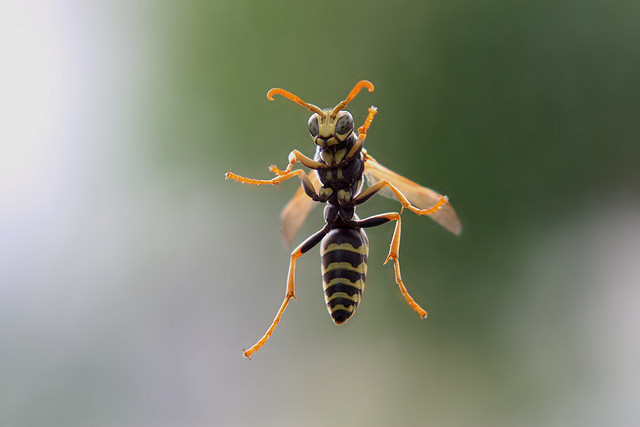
point(338, 169)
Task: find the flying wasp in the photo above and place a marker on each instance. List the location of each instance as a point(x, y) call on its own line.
point(336, 178)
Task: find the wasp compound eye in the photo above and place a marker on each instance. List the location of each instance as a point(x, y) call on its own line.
point(313, 125)
point(344, 125)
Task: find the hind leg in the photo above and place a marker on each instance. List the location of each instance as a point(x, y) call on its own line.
point(291, 287)
point(394, 248)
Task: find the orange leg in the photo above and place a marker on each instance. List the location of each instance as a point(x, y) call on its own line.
point(296, 156)
point(290, 293)
point(306, 183)
point(291, 287)
point(281, 177)
point(362, 134)
point(369, 192)
point(362, 130)
point(393, 254)
point(274, 181)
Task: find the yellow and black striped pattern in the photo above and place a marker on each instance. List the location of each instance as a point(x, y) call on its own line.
point(344, 252)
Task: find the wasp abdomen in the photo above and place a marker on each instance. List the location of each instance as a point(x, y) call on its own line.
point(344, 253)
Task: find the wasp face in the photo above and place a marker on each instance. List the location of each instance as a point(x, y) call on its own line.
point(330, 129)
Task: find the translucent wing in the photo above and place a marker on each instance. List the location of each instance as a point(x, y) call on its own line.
point(295, 212)
point(419, 196)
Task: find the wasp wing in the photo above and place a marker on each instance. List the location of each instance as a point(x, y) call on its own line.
point(419, 196)
point(295, 212)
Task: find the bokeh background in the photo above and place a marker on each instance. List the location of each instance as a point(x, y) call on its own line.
point(132, 274)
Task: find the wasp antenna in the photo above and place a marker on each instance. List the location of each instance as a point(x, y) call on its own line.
point(292, 97)
point(352, 94)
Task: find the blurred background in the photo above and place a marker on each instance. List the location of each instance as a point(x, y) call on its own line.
point(132, 275)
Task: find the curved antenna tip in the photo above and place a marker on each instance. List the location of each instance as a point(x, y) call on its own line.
point(367, 84)
point(352, 94)
point(272, 91)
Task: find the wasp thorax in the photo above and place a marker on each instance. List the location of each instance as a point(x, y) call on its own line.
point(330, 129)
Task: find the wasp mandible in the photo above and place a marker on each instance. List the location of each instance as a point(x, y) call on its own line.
point(336, 178)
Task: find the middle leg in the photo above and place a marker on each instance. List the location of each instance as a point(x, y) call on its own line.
point(372, 190)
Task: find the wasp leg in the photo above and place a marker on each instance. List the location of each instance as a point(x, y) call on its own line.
point(304, 180)
point(362, 134)
point(369, 192)
point(296, 156)
point(394, 248)
point(362, 130)
point(291, 286)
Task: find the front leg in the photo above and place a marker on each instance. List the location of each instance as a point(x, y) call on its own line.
point(362, 134)
point(296, 156)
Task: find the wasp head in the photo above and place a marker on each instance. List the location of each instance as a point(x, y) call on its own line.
point(328, 130)
point(327, 127)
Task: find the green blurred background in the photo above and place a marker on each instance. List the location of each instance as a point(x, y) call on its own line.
point(132, 274)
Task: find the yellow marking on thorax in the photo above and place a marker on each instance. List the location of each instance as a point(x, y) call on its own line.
point(325, 192)
point(362, 250)
point(362, 268)
point(344, 196)
point(333, 159)
point(326, 157)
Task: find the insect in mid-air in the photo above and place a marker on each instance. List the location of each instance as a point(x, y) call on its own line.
point(336, 178)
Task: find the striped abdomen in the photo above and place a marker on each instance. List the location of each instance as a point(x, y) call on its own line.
point(344, 253)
